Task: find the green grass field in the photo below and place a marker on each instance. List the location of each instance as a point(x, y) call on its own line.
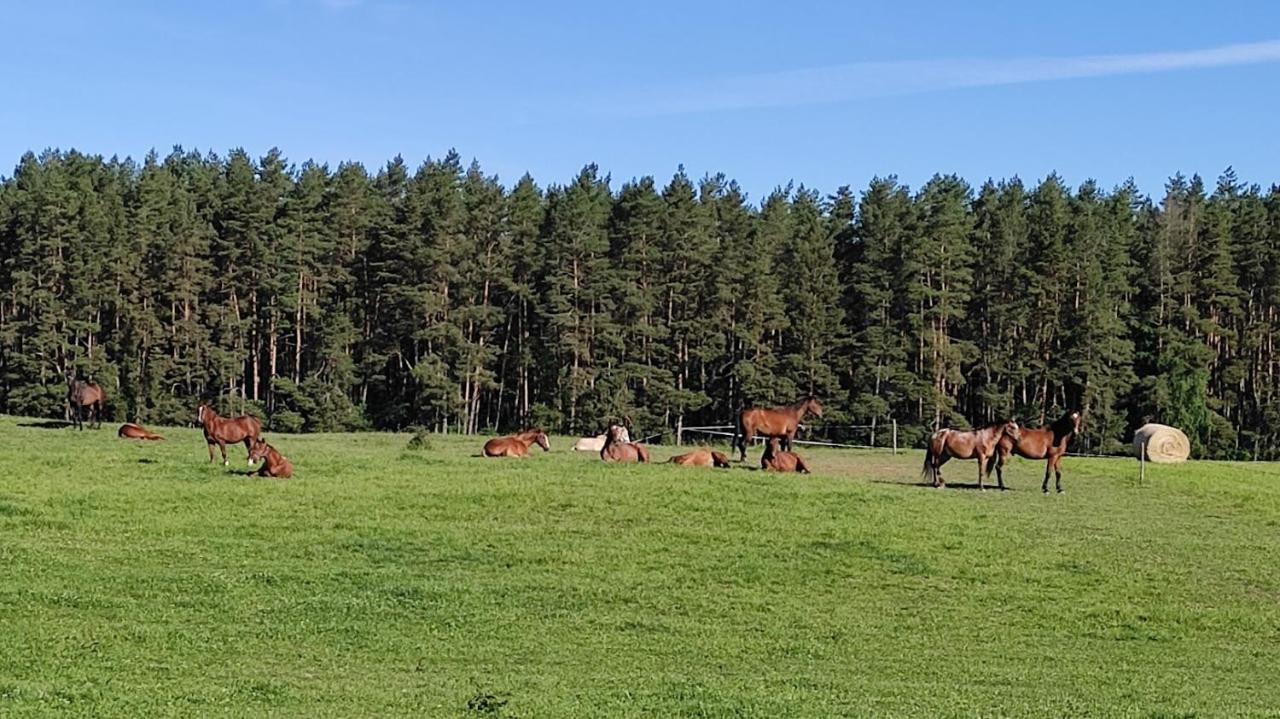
point(139, 580)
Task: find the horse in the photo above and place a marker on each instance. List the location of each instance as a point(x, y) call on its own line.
point(1039, 443)
point(780, 422)
point(701, 457)
point(517, 445)
point(596, 443)
point(775, 460)
point(228, 430)
point(275, 464)
point(129, 430)
point(979, 444)
point(81, 394)
point(615, 449)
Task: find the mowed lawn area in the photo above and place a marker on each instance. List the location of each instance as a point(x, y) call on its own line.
point(136, 579)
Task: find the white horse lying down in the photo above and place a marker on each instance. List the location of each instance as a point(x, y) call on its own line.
point(596, 443)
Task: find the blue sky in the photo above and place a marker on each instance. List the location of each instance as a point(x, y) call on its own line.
point(824, 94)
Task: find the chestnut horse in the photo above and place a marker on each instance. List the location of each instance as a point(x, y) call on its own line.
point(979, 444)
point(517, 445)
point(617, 450)
point(780, 422)
point(81, 394)
point(276, 464)
point(775, 460)
point(1039, 443)
point(228, 430)
point(701, 457)
point(129, 430)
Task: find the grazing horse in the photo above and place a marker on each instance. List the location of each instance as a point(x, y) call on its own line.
point(775, 460)
point(228, 430)
point(129, 430)
point(81, 394)
point(276, 464)
point(701, 457)
point(1039, 443)
point(615, 449)
point(979, 444)
point(780, 422)
point(517, 445)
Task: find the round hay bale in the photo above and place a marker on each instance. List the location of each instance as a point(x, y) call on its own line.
point(1165, 444)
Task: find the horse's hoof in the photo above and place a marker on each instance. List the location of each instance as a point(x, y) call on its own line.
point(1062, 491)
point(226, 463)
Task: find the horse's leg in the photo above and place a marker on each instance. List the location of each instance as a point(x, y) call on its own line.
point(210, 446)
point(1048, 466)
point(248, 447)
point(1057, 471)
point(223, 446)
point(982, 465)
point(747, 436)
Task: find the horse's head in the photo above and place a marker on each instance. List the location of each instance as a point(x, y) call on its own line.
point(258, 450)
point(542, 441)
point(615, 434)
point(1074, 417)
point(812, 404)
point(1011, 428)
point(202, 409)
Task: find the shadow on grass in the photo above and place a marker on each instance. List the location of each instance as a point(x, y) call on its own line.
point(47, 424)
point(948, 485)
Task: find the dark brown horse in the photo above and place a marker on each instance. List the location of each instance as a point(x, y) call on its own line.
point(701, 457)
point(129, 430)
point(274, 464)
point(979, 444)
point(780, 422)
point(81, 394)
point(1048, 443)
point(227, 430)
point(616, 450)
point(775, 460)
point(517, 445)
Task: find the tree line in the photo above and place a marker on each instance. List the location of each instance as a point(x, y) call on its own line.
point(338, 299)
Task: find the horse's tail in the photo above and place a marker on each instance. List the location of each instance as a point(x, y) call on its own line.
point(739, 433)
point(929, 472)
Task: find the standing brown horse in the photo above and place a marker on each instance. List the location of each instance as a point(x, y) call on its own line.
point(775, 460)
point(1039, 443)
point(81, 394)
point(979, 444)
point(275, 464)
point(617, 450)
point(228, 430)
point(780, 422)
point(129, 430)
point(701, 457)
point(517, 445)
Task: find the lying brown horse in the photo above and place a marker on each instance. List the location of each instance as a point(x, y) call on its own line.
point(228, 430)
point(517, 445)
point(701, 457)
point(775, 460)
point(617, 450)
point(1039, 443)
point(81, 394)
point(780, 422)
point(275, 464)
point(129, 430)
point(979, 444)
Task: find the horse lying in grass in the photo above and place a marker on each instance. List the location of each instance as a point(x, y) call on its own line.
point(596, 443)
point(517, 445)
point(776, 460)
point(617, 450)
point(979, 444)
point(274, 464)
point(701, 457)
point(129, 430)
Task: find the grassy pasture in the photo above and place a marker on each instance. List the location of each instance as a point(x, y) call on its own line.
point(138, 580)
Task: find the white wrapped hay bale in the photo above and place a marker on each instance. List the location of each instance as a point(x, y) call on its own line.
point(1165, 444)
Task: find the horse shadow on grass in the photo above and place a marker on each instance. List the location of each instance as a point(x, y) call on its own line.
point(47, 424)
point(948, 485)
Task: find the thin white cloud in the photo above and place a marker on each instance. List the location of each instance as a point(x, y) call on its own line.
point(838, 83)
